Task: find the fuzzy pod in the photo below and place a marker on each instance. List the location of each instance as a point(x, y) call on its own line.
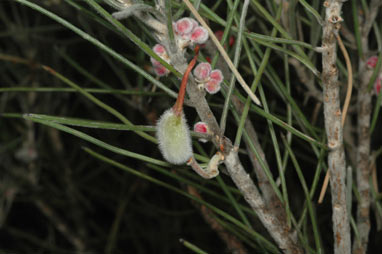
point(174, 137)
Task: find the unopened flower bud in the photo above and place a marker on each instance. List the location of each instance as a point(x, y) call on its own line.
point(201, 127)
point(372, 62)
point(202, 71)
point(159, 49)
point(199, 35)
point(158, 68)
point(212, 86)
point(217, 75)
point(184, 26)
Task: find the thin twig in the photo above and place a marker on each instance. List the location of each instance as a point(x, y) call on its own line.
point(334, 130)
point(364, 105)
point(223, 53)
point(269, 195)
point(345, 107)
point(281, 235)
point(363, 172)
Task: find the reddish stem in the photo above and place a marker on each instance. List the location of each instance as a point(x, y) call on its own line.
point(178, 107)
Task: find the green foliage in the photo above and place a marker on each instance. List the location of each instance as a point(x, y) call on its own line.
point(79, 106)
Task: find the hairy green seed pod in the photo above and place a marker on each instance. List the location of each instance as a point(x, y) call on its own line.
point(174, 137)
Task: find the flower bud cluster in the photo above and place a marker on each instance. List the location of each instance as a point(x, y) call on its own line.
point(209, 79)
point(188, 32)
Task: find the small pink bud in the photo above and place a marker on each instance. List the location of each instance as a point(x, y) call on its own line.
point(202, 71)
point(372, 61)
point(160, 70)
point(201, 127)
point(212, 86)
point(184, 26)
point(159, 49)
point(377, 84)
point(217, 75)
point(199, 35)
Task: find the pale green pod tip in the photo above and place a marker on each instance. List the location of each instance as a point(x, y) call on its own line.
point(174, 137)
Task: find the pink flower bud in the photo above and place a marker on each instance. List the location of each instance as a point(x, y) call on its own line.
point(159, 49)
point(372, 61)
point(217, 75)
point(201, 127)
point(160, 70)
point(184, 26)
point(212, 86)
point(199, 35)
point(377, 84)
point(202, 71)
point(195, 24)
